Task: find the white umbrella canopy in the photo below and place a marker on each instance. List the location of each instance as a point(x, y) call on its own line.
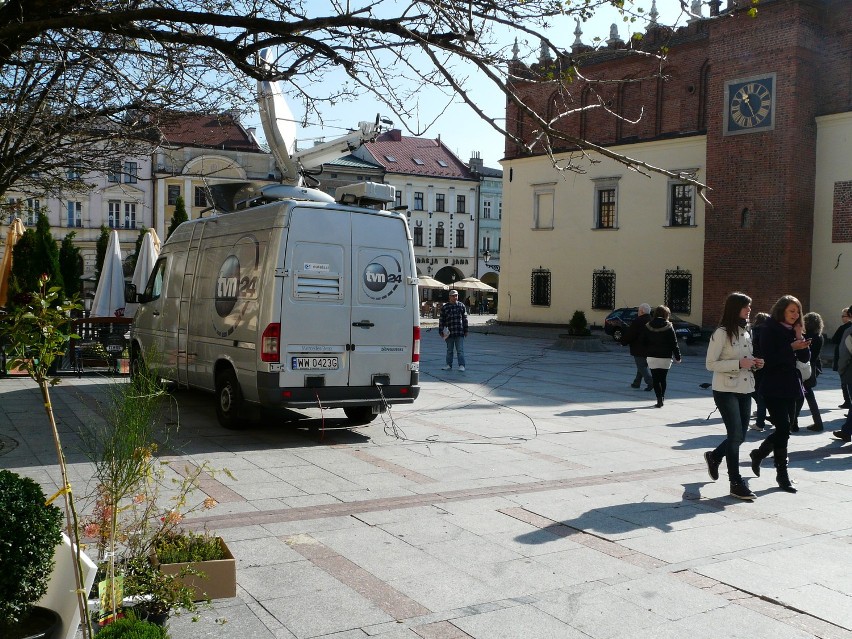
point(473, 284)
point(424, 281)
point(148, 253)
point(109, 296)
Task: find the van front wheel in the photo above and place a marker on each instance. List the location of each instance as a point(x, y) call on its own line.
point(360, 414)
point(229, 400)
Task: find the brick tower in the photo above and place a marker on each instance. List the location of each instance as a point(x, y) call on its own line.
point(768, 80)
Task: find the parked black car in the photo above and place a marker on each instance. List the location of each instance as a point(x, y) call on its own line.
point(621, 318)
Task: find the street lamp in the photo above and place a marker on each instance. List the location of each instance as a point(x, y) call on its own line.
point(486, 255)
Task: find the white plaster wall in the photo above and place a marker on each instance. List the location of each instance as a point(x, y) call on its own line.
point(640, 250)
point(831, 271)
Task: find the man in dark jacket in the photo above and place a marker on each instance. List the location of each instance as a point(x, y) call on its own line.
point(844, 367)
point(631, 338)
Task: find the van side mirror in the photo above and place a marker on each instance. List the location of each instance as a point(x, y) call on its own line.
point(141, 298)
point(129, 292)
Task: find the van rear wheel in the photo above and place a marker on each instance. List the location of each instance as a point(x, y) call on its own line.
point(360, 414)
point(229, 401)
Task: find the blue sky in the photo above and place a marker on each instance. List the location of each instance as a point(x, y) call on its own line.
point(458, 126)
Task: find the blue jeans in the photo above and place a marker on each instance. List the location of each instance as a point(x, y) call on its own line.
point(735, 409)
point(457, 342)
point(642, 371)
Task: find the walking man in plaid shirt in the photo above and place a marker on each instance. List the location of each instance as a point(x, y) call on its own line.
point(454, 322)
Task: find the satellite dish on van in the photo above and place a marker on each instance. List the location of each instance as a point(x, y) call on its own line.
point(278, 123)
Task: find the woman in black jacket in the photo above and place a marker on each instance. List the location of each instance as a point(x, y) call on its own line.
point(782, 343)
point(813, 331)
point(660, 343)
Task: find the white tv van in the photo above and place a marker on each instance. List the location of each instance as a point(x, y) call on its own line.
point(290, 300)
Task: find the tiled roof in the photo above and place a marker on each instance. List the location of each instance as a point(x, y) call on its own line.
point(487, 171)
point(352, 162)
point(213, 131)
point(409, 155)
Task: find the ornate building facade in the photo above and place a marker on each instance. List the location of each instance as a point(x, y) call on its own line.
point(758, 108)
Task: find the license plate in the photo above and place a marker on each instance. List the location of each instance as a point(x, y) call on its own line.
point(315, 363)
point(114, 349)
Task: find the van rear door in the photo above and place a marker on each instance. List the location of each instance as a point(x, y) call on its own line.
point(315, 324)
point(382, 301)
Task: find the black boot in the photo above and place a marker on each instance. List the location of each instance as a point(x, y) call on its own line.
point(781, 476)
point(740, 490)
point(758, 455)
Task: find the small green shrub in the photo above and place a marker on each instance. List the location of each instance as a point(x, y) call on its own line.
point(578, 324)
point(131, 628)
point(179, 547)
point(29, 533)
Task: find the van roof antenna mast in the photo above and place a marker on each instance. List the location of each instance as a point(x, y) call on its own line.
point(279, 125)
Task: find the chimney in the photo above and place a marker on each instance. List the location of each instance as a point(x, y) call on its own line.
point(476, 162)
point(394, 135)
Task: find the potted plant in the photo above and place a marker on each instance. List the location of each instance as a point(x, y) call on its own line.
point(38, 330)
point(213, 568)
point(30, 530)
point(157, 593)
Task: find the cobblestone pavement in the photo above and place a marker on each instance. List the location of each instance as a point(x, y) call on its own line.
point(534, 495)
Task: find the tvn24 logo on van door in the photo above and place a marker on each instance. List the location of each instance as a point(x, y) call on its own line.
point(382, 277)
point(236, 285)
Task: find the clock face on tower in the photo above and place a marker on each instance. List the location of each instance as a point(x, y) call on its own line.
point(750, 104)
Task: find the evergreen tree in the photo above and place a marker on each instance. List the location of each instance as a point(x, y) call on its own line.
point(178, 217)
point(70, 265)
point(100, 248)
point(39, 254)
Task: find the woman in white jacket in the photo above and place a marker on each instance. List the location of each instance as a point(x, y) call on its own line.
point(730, 357)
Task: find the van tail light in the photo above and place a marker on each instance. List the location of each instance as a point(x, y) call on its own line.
point(269, 343)
point(415, 351)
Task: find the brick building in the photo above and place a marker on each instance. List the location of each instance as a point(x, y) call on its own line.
point(759, 109)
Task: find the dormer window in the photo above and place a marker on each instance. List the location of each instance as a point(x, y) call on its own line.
point(418, 161)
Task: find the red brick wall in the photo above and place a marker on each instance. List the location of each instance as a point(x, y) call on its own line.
point(841, 220)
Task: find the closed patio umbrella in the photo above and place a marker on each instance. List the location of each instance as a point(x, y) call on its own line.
point(109, 295)
point(16, 230)
point(148, 253)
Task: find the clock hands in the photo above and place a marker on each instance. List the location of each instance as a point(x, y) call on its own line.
point(748, 104)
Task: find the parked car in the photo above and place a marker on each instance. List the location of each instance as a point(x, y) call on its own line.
point(617, 321)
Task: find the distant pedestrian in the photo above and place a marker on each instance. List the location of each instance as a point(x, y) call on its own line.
point(730, 357)
point(630, 337)
point(660, 343)
point(759, 405)
point(836, 339)
point(782, 344)
point(844, 367)
point(813, 331)
point(452, 327)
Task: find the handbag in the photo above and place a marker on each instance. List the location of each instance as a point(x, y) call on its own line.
point(804, 369)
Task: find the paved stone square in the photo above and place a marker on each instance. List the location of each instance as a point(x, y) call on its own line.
point(534, 495)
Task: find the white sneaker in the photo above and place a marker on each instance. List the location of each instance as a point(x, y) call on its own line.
point(461, 368)
point(446, 368)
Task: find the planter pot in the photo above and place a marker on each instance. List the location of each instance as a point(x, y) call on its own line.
point(60, 589)
point(220, 575)
point(158, 618)
point(40, 623)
